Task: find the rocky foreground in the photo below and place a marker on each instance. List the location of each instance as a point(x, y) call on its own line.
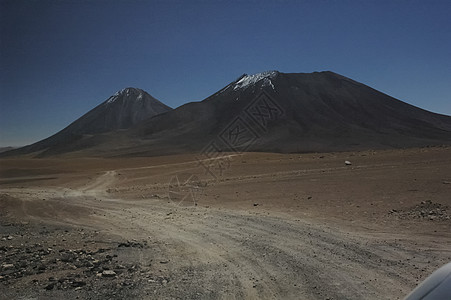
point(51, 261)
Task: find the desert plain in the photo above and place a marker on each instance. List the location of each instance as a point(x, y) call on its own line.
point(233, 226)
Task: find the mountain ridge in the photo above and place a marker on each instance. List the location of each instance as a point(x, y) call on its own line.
point(322, 111)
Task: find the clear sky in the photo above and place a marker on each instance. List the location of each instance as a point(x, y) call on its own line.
point(59, 59)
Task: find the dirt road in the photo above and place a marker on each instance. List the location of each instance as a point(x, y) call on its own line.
point(208, 252)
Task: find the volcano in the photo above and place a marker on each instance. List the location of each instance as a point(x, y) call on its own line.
point(270, 112)
point(298, 112)
point(122, 110)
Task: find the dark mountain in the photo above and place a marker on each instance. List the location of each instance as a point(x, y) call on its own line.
point(274, 112)
point(279, 112)
point(121, 111)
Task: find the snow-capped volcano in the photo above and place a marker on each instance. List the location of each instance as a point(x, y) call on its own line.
point(122, 110)
point(293, 112)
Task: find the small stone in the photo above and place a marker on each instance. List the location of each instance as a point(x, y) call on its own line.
point(446, 182)
point(78, 283)
point(348, 163)
point(255, 204)
point(108, 273)
point(164, 261)
point(7, 266)
point(9, 237)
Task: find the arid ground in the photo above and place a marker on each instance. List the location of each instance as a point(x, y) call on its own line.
point(259, 226)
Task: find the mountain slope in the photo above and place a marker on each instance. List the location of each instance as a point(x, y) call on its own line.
point(120, 111)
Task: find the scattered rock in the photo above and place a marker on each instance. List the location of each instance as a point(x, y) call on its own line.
point(255, 204)
point(7, 266)
point(78, 283)
point(348, 163)
point(425, 210)
point(131, 244)
point(108, 273)
point(50, 286)
point(68, 257)
point(446, 182)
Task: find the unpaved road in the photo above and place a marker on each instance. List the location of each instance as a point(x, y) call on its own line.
point(211, 252)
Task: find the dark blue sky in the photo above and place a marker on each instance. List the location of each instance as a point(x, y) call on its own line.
point(59, 59)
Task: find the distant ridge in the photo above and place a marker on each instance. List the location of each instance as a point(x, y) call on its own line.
point(8, 148)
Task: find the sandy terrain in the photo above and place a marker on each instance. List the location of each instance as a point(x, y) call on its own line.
point(259, 226)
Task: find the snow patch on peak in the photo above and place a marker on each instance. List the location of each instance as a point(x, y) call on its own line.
point(112, 98)
point(119, 93)
point(247, 80)
point(126, 93)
